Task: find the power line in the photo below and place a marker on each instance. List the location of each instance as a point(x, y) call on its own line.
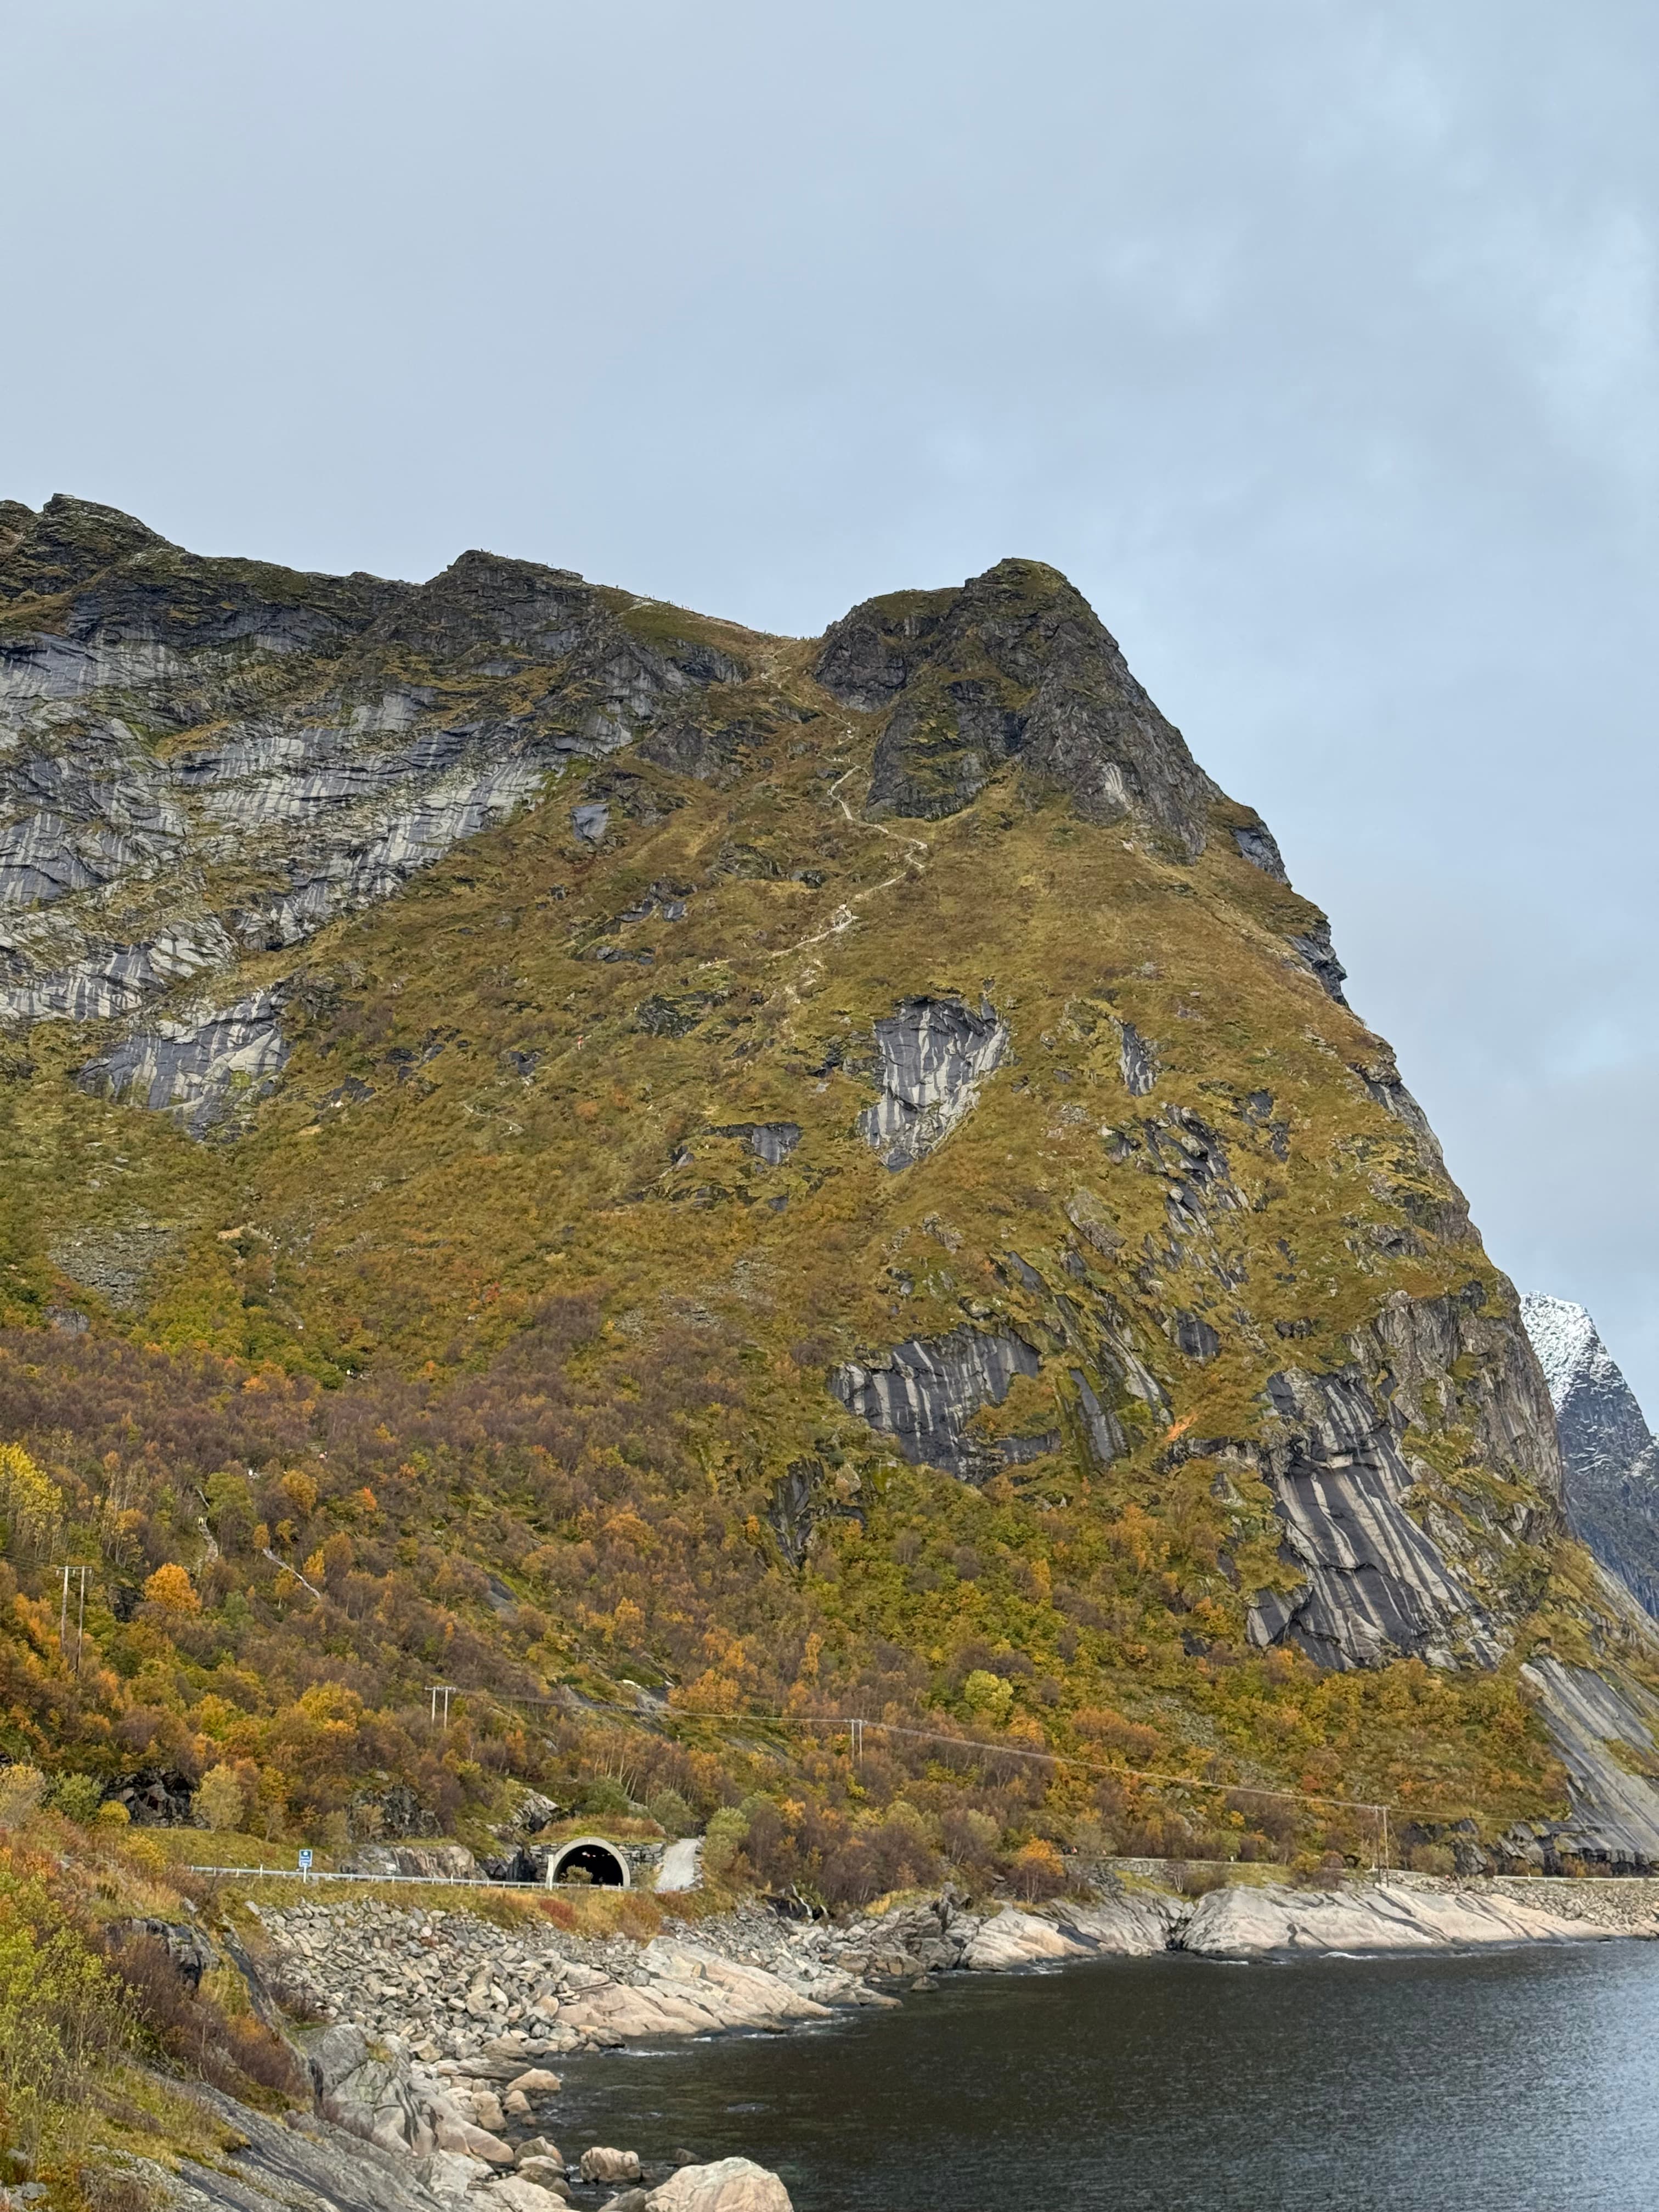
point(856, 1725)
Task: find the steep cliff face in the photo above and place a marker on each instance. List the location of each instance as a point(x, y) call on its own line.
point(903, 1014)
point(202, 758)
point(1609, 1459)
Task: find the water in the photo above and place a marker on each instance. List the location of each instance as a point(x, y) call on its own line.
point(1513, 2081)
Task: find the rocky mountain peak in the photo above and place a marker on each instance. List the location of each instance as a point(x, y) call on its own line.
point(1610, 1462)
point(67, 544)
point(1015, 666)
point(488, 599)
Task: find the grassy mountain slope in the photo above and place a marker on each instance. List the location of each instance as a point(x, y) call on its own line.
point(860, 1197)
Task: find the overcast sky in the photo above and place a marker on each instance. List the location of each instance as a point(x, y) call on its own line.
point(1316, 342)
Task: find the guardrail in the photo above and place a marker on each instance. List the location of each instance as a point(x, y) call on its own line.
point(322, 1873)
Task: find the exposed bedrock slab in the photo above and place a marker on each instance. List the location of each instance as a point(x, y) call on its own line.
point(924, 1393)
point(1241, 1922)
point(1374, 1585)
point(1257, 844)
point(771, 1141)
point(198, 1067)
point(935, 1053)
point(330, 770)
point(1464, 1357)
point(1135, 1925)
point(1615, 1811)
point(1375, 1580)
point(76, 819)
point(1313, 946)
point(109, 980)
point(1137, 1059)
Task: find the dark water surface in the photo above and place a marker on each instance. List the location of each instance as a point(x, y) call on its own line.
point(1523, 2081)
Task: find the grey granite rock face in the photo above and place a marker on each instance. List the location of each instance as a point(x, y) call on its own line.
point(1105, 1433)
point(1375, 1586)
point(1375, 1582)
point(1461, 1360)
point(1610, 1462)
point(129, 864)
point(198, 1068)
point(290, 2168)
point(1380, 1074)
point(1615, 1812)
point(924, 1393)
point(935, 1053)
point(1137, 1060)
point(771, 1141)
point(1015, 666)
point(1314, 948)
point(1257, 844)
point(103, 980)
point(803, 1498)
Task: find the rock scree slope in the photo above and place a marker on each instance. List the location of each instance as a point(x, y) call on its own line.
point(810, 1174)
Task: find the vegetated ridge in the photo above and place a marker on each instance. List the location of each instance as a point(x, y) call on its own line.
point(555, 1146)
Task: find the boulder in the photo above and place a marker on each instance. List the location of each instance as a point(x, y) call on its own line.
point(535, 2081)
point(549, 2171)
point(513, 2191)
point(487, 2110)
point(730, 2185)
point(1013, 1938)
point(539, 2147)
point(515, 2104)
point(452, 2172)
point(483, 2144)
point(602, 2164)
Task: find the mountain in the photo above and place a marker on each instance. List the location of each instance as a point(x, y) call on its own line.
point(1610, 1462)
point(558, 1145)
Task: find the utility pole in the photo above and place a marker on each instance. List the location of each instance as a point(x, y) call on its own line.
point(80, 1614)
point(856, 1729)
point(443, 1690)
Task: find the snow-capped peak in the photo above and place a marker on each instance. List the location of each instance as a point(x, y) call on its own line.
point(1567, 1346)
point(1563, 1337)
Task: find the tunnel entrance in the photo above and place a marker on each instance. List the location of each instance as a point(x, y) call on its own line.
point(590, 1858)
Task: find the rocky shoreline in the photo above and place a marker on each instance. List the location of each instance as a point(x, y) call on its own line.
point(438, 2030)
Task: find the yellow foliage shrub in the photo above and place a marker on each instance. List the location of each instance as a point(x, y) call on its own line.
point(30, 1506)
point(171, 1588)
point(218, 1799)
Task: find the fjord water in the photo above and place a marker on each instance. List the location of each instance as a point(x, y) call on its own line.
point(1512, 2081)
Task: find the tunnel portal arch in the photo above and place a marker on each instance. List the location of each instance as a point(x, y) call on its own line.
point(604, 1864)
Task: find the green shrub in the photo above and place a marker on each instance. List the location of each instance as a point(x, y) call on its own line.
point(606, 1798)
point(671, 1813)
point(727, 1830)
point(988, 1696)
point(60, 2012)
point(77, 1797)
